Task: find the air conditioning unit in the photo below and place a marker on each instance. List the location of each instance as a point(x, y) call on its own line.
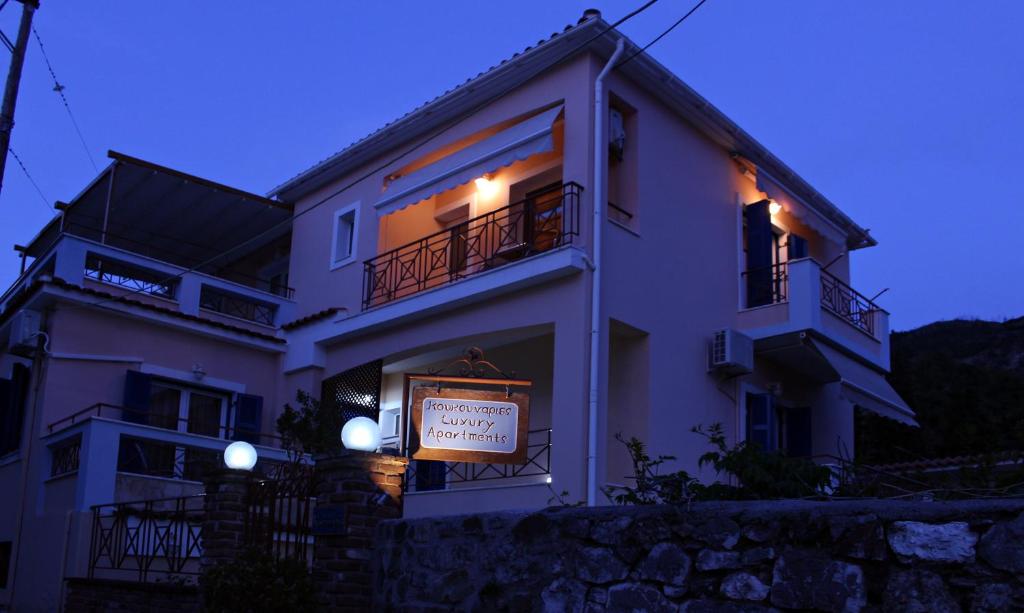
point(730, 352)
point(23, 332)
point(616, 133)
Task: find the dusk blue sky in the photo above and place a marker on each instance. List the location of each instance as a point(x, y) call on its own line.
point(908, 115)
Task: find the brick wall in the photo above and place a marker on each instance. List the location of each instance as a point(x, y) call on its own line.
point(750, 556)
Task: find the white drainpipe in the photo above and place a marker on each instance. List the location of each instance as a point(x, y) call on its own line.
point(600, 201)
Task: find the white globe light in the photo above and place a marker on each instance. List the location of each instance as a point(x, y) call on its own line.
point(240, 456)
point(361, 433)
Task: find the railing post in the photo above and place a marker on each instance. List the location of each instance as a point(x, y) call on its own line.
point(357, 491)
point(224, 509)
point(189, 290)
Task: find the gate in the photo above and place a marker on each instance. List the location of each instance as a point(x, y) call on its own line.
point(279, 513)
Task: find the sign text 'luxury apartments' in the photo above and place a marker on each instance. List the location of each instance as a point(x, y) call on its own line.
point(465, 425)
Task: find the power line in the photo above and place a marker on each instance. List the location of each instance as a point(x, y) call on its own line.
point(382, 166)
point(17, 159)
point(662, 35)
point(57, 87)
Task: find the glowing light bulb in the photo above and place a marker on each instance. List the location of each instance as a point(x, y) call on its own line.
point(240, 456)
point(774, 207)
point(485, 186)
point(361, 433)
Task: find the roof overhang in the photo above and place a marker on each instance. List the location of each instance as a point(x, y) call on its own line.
point(592, 35)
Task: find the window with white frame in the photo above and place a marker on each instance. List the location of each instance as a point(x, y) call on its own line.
point(343, 247)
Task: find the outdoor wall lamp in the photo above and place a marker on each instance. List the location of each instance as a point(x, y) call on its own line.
point(361, 433)
point(240, 456)
point(485, 185)
point(774, 207)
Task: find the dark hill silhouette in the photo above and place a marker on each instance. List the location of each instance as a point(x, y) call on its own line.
point(965, 380)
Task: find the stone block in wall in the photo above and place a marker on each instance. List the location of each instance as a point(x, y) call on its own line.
point(918, 591)
point(809, 579)
point(948, 542)
point(1002, 545)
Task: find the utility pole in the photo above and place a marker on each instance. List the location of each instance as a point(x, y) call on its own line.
point(28, 8)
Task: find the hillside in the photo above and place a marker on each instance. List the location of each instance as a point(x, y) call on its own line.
point(965, 380)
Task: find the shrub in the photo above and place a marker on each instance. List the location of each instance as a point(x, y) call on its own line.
point(256, 582)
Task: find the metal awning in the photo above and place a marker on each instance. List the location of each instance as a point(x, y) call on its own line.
point(514, 144)
point(799, 209)
point(166, 214)
point(867, 388)
point(818, 362)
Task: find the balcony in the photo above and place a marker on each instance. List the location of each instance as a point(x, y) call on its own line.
point(798, 296)
point(240, 301)
point(512, 233)
point(153, 453)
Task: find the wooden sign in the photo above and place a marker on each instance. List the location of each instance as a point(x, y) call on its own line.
point(469, 425)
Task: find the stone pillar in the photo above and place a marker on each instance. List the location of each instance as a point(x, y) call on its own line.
point(357, 491)
point(224, 516)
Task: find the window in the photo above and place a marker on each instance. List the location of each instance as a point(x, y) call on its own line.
point(13, 393)
point(166, 404)
point(774, 427)
point(343, 248)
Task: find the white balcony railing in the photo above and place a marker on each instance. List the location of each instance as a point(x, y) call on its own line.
point(800, 296)
point(80, 261)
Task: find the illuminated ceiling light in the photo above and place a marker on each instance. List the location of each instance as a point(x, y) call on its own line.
point(361, 433)
point(240, 456)
point(774, 207)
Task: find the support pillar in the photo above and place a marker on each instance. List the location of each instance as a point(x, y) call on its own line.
point(224, 517)
point(357, 490)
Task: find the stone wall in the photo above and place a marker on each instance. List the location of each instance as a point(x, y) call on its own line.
point(102, 595)
point(747, 556)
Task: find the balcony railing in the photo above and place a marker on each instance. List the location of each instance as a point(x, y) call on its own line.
point(241, 307)
point(129, 277)
point(516, 231)
point(766, 285)
point(148, 418)
point(137, 540)
point(428, 475)
point(847, 303)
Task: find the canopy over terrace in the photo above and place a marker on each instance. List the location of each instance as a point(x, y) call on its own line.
point(167, 215)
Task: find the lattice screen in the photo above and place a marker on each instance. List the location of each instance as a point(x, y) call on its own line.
point(355, 392)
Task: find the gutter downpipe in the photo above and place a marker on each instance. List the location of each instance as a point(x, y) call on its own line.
point(600, 197)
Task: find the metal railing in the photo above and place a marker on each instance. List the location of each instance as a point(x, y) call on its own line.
point(538, 463)
point(847, 303)
point(501, 236)
point(128, 276)
point(767, 285)
point(225, 303)
point(65, 457)
point(160, 537)
point(149, 418)
point(279, 512)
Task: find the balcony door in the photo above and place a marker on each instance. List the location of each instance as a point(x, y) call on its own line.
point(181, 408)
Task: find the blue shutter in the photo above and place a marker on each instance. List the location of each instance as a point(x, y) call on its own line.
point(136, 397)
point(248, 418)
point(798, 432)
point(797, 246)
point(761, 427)
point(760, 242)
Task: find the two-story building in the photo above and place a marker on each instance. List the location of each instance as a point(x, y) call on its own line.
point(486, 218)
point(593, 225)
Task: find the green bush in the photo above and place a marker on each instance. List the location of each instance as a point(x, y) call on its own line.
point(756, 474)
point(256, 582)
